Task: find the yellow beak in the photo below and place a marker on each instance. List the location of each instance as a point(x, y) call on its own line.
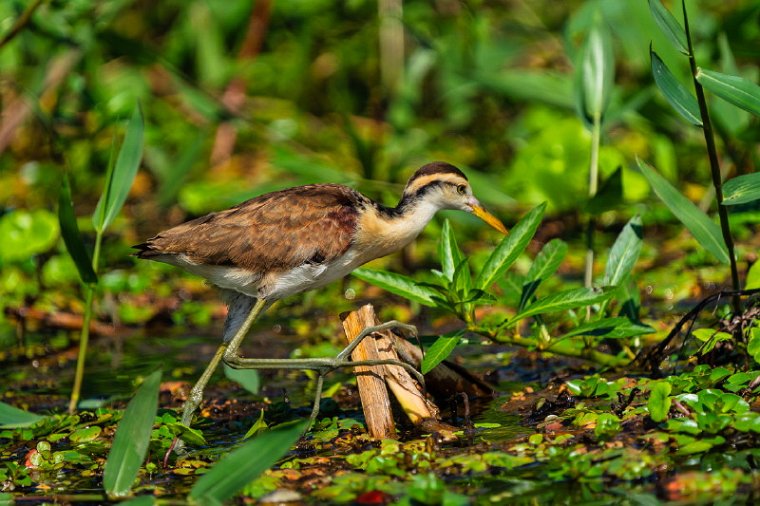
point(489, 218)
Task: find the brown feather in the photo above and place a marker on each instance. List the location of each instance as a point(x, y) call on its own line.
point(273, 232)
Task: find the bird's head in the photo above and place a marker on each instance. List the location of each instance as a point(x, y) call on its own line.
point(444, 186)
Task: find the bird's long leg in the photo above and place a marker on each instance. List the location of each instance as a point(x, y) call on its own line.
point(196, 394)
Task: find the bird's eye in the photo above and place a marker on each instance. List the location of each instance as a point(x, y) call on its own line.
point(461, 189)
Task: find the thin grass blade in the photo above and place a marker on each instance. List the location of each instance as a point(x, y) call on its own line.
point(120, 179)
point(510, 248)
point(399, 284)
point(71, 236)
point(741, 189)
point(624, 253)
point(130, 443)
point(611, 328)
point(11, 417)
point(734, 89)
point(704, 230)
point(669, 26)
point(236, 470)
point(675, 93)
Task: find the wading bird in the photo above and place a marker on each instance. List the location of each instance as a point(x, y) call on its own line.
point(299, 239)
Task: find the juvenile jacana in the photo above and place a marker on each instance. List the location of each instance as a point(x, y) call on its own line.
point(298, 239)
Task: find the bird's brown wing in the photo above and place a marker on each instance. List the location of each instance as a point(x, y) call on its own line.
point(273, 232)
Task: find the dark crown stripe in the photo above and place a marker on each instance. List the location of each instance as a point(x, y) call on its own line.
point(436, 168)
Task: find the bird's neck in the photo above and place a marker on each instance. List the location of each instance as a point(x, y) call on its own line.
point(385, 230)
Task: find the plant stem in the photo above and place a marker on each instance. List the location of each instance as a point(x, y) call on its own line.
point(712, 153)
point(84, 335)
point(593, 183)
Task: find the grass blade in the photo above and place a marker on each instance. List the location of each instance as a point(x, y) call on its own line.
point(624, 253)
point(545, 265)
point(568, 299)
point(11, 417)
point(741, 189)
point(399, 284)
point(669, 26)
point(675, 93)
point(120, 179)
point(704, 230)
point(440, 351)
point(510, 248)
point(244, 464)
point(71, 236)
point(130, 443)
point(734, 89)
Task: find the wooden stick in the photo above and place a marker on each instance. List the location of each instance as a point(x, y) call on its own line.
point(370, 380)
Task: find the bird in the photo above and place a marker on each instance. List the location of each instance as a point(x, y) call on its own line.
point(298, 239)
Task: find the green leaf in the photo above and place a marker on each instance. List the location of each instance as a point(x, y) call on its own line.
point(753, 277)
point(568, 299)
point(130, 443)
point(510, 248)
point(741, 189)
point(258, 426)
point(545, 265)
point(119, 180)
point(11, 417)
point(143, 500)
point(669, 25)
point(27, 233)
point(440, 350)
point(659, 400)
point(609, 196)
point(237, 469)
point(676, 94)
point(597, 71)
point(448, 251)
point(246, 378)
point(704, 230)
point(399, 284)
point(624, 253)
point(71, 236)
point(734, 89)
point(611, 328)
point(187, 434)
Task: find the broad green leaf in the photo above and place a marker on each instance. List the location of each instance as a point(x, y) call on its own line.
point(609, 196)
point(119, 180)
point(143, 500)
point(669, 25)
point(24, 234)
point(659, 400)
point(624, 253)
point(597, 71)
point(704, 230)
point(246, 378)
point(71, 236)
point(510, 248)
point(611, 328)
point(568, 299)
point(676, 94)
point(753, 277)
point(440, 350)
point(462, 281)
point(399, 284)
point(731, 118)
point(130, 443)
point(234, 471)
point(545, 265)
point(448, 251)
point(741, 189)
point(11, 417)
point(187, 434)
point(737, 90)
